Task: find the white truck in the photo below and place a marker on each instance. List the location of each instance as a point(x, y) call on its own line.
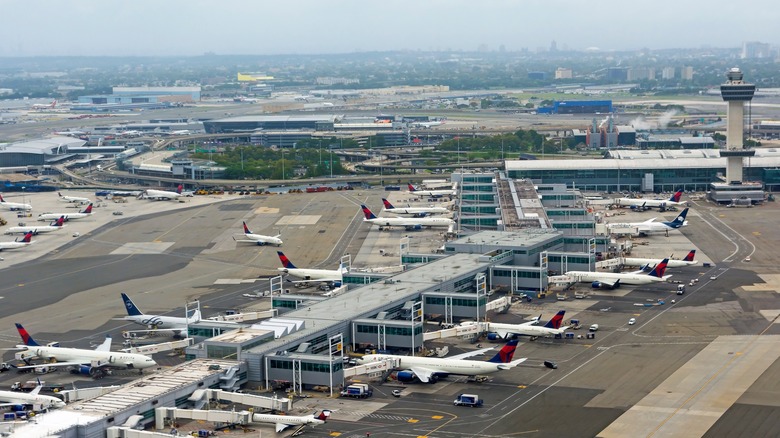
point(472, 400)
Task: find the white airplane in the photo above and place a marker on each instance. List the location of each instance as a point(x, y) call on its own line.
point(156, 323)
point(282, 422)
point(413, 211)
point(650, 203)
point(307, 275)
point(68, 216)
point(409, 223)
point(502, 331)
point(259, 239)
point(650, 226)
point(71, 199)
point(130, 134)
point(70, 133)
point(164, 195)
point(431, 193)
point(32, 398)
point(42, 106)
point(54, 226)
point(14, 206)
point(429, 369)
point(427, 124)
point(16, 244)
point(96, 361)
point(614, 279)
point(672, 263)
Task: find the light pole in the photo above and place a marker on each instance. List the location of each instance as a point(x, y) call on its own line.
point(282, 164)
point(331, 163)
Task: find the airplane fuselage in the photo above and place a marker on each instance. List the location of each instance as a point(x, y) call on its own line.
point(411, 211)
point(83, 356)
point(15, 206)
point(30, 399)
point(286, 420)
point(75, 199)
point(34, 230)
point(433, 193)
point(261, 239)
point(634, 261)
point(588, 277)
point(313, 274)
point(411, 222)
point(162, 195)
point(67, 216)
point(650, 203)
point(438, 365)
point(524, 330)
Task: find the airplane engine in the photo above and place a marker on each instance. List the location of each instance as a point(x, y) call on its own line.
point(405, 376)
point(82, 369)
point(597, 285)
point(494, 337)
point(414, 227)
point(18, 408)
point(259, 243)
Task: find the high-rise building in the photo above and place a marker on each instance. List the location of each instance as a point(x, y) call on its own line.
point(563, 73)
point(755, 49)
point(667, 73)
point(686, 73)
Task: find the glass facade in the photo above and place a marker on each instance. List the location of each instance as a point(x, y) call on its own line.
point(465, 302)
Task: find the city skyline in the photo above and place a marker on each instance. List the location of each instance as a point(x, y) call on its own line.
point(240, 27)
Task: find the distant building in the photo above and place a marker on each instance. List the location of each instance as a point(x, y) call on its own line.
point(563, 73)
point(617, 74)
point(667, 73)
point(537, 75)
point(191, 94)
point(755, 49)
point(641, 73)
point(327, 80)
point(253, 77)
point(686, 73)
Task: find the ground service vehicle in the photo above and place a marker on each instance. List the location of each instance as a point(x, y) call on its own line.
point(594, 328)
point(680, 289)
point(357, 390)
point(472, 400)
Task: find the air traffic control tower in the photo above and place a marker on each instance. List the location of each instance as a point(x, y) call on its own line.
point(736, 92)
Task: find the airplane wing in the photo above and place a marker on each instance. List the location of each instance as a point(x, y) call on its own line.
point(423, 374)
point(517, 362)
point(470, 353)
point(281, 426)
point(244, 240)
point(53, 364)
point(610, 282)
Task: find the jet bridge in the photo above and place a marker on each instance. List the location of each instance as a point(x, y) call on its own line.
point(202, 396)
point(225, 417)
point(370, 368)
point(468, 330)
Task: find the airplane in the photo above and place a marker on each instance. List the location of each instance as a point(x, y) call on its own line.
point(130, 134)
point(32, 398)
point(155, 323)
point(650, 203)
point(502, 331)
point(431, 193)
point(70, 133)
point(93, 362)
point(672, 263)
point(413, 211)
point(68, 216)
point(409, 223)
point(614, 279)
point(78, 199)
point(284, 421)
point(16, 244)
point(43, 106)
point(323, 275)
point(259, 239)
point(180, 132)
point(54, 226)
point(650, 226)
point(429, 369)
point(164, 195)
point(427, 124)
point(14, 206)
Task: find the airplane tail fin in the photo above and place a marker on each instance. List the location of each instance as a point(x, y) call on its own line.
point(679, 221)
point(59, 194)
point(411, 188)
point(26, 338)
point(27, 237)
point(1, 198)
point(506, 353)
point(690, 256)
point(387, 203)
point(556, 321)
point(37, 388)
point(676, 197)
point(58, 222)
point(88, 210)
point(179, 189)
point(323, 415)
point(54, 103)
point(246, 229)
point(367, 212)
point(132, 310)
point(285, 261)
point(659, 269)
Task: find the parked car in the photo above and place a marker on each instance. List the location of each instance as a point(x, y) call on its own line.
point(632, 321)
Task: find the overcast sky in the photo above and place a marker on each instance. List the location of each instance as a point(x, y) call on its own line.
point(192, 27)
